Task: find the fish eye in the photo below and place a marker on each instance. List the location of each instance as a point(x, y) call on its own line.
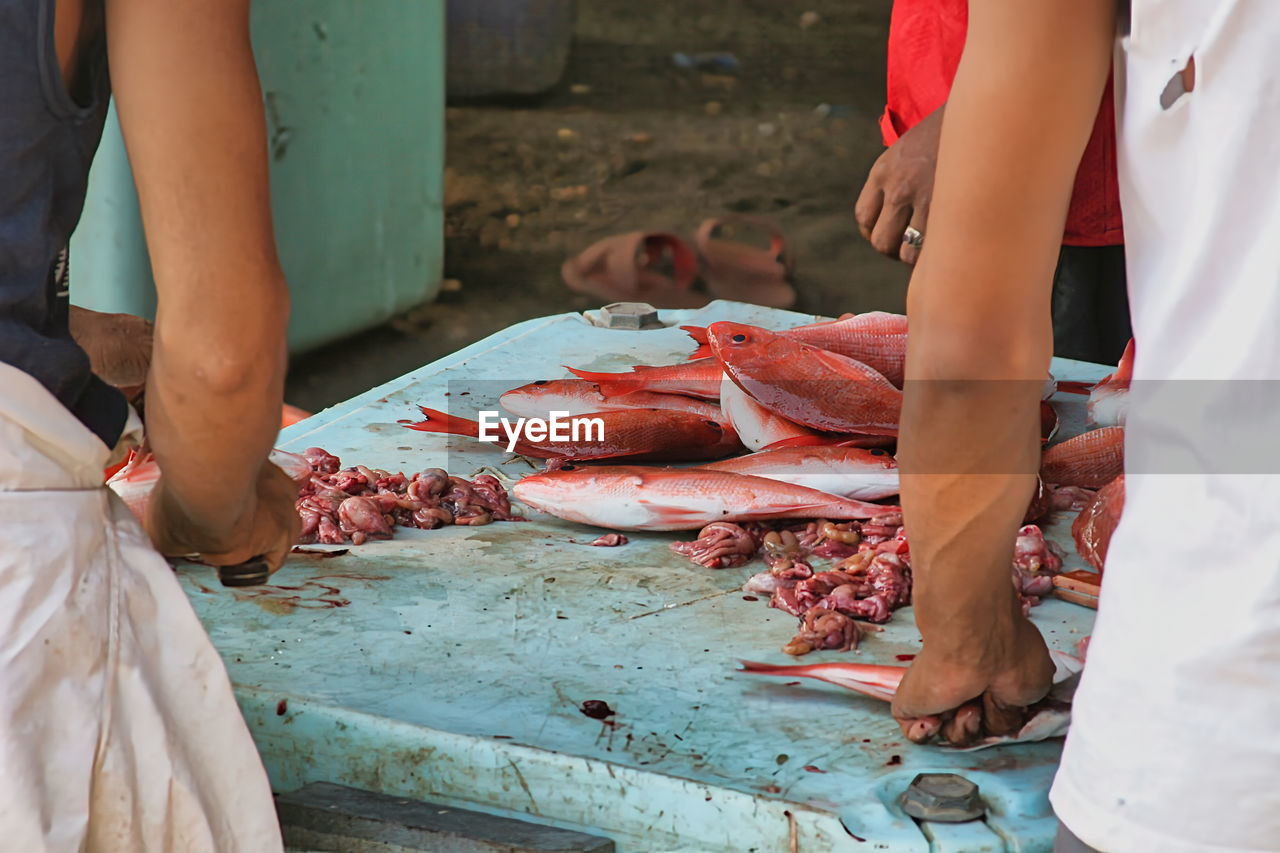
point(568, 466)
point(877, 452)
point(739, 338)
point(541, 382)
point(712, 423)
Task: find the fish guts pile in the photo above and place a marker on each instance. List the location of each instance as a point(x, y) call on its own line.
point(339, 505)
point(356, 504)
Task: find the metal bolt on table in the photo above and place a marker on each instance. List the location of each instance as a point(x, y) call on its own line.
point(630, 315)
point(943, 797)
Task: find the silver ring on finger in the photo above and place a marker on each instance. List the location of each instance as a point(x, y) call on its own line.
point(912, 237)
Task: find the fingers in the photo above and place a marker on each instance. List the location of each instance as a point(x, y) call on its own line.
point(920, 729)
point(269, 529)
point(886, 236)
point(1001, 719)
point(867, 209)
point(965, 725)
point(919, 215)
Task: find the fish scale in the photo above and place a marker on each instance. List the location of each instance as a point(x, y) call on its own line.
point(699, 378)
point(650, 434)
point(876, 338)
point(805, 384)
point(850, 472)
point(1091, 459)
point(630, 497)
point(580, 397)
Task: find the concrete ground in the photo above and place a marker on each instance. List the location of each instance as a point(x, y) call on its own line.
point(628, 141)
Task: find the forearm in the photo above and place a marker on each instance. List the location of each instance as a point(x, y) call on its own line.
point(191, 113)
point(971, 449)
point(213, 404)
point(1017, 120)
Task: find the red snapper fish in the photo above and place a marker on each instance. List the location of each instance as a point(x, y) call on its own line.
point(699, 378)
point(1093, 527)
point(1050, 717)
point(630, 497)
point(850, 472)
point(1091, 459)
point(760, 429)
point(649, 434)
point(134, 481)
point(757, 427)
point(877, 339)
point(809, 386)
point(580, 397)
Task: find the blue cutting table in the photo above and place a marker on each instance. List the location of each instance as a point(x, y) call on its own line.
point(450, 665)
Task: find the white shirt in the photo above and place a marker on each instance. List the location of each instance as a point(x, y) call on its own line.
point(1175, 738)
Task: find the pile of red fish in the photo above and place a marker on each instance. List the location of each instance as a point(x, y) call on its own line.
point(1095, 460)
point(805, 402)
point(356, 504)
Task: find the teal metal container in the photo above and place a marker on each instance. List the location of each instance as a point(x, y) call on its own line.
point(450, 665)
point(354, 99)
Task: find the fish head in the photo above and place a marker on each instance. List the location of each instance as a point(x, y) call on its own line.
point(738, 343)
point(543, 489)
point(535, 399)
point(873, 457)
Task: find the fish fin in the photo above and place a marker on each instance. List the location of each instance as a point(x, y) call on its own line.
point(1124, 369)
point(1072, 386)
point(841, 363)
point(674, 518)
point(437, 421)
point(797, 441)
point(698, 333)
point(703, 351)
point(111, 471)
point(611, 384)
point(876, 681)
point(865, 431)
point(867, 441)
point(834, 440)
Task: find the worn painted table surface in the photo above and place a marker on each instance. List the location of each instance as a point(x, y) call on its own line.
point(450, 665)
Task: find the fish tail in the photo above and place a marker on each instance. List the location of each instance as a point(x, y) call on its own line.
point(437, 421)
point(698, 333)
point(612, 384)
point(1071, 386)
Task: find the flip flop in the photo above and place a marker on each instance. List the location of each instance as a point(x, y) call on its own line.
point(744, 273)
point(625, 268)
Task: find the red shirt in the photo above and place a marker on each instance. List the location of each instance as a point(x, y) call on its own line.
point(926, 38)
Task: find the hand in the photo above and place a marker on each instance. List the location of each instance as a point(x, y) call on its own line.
point(965, 698)
point(268, 528)
point(899, 189)
point(118, 345)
